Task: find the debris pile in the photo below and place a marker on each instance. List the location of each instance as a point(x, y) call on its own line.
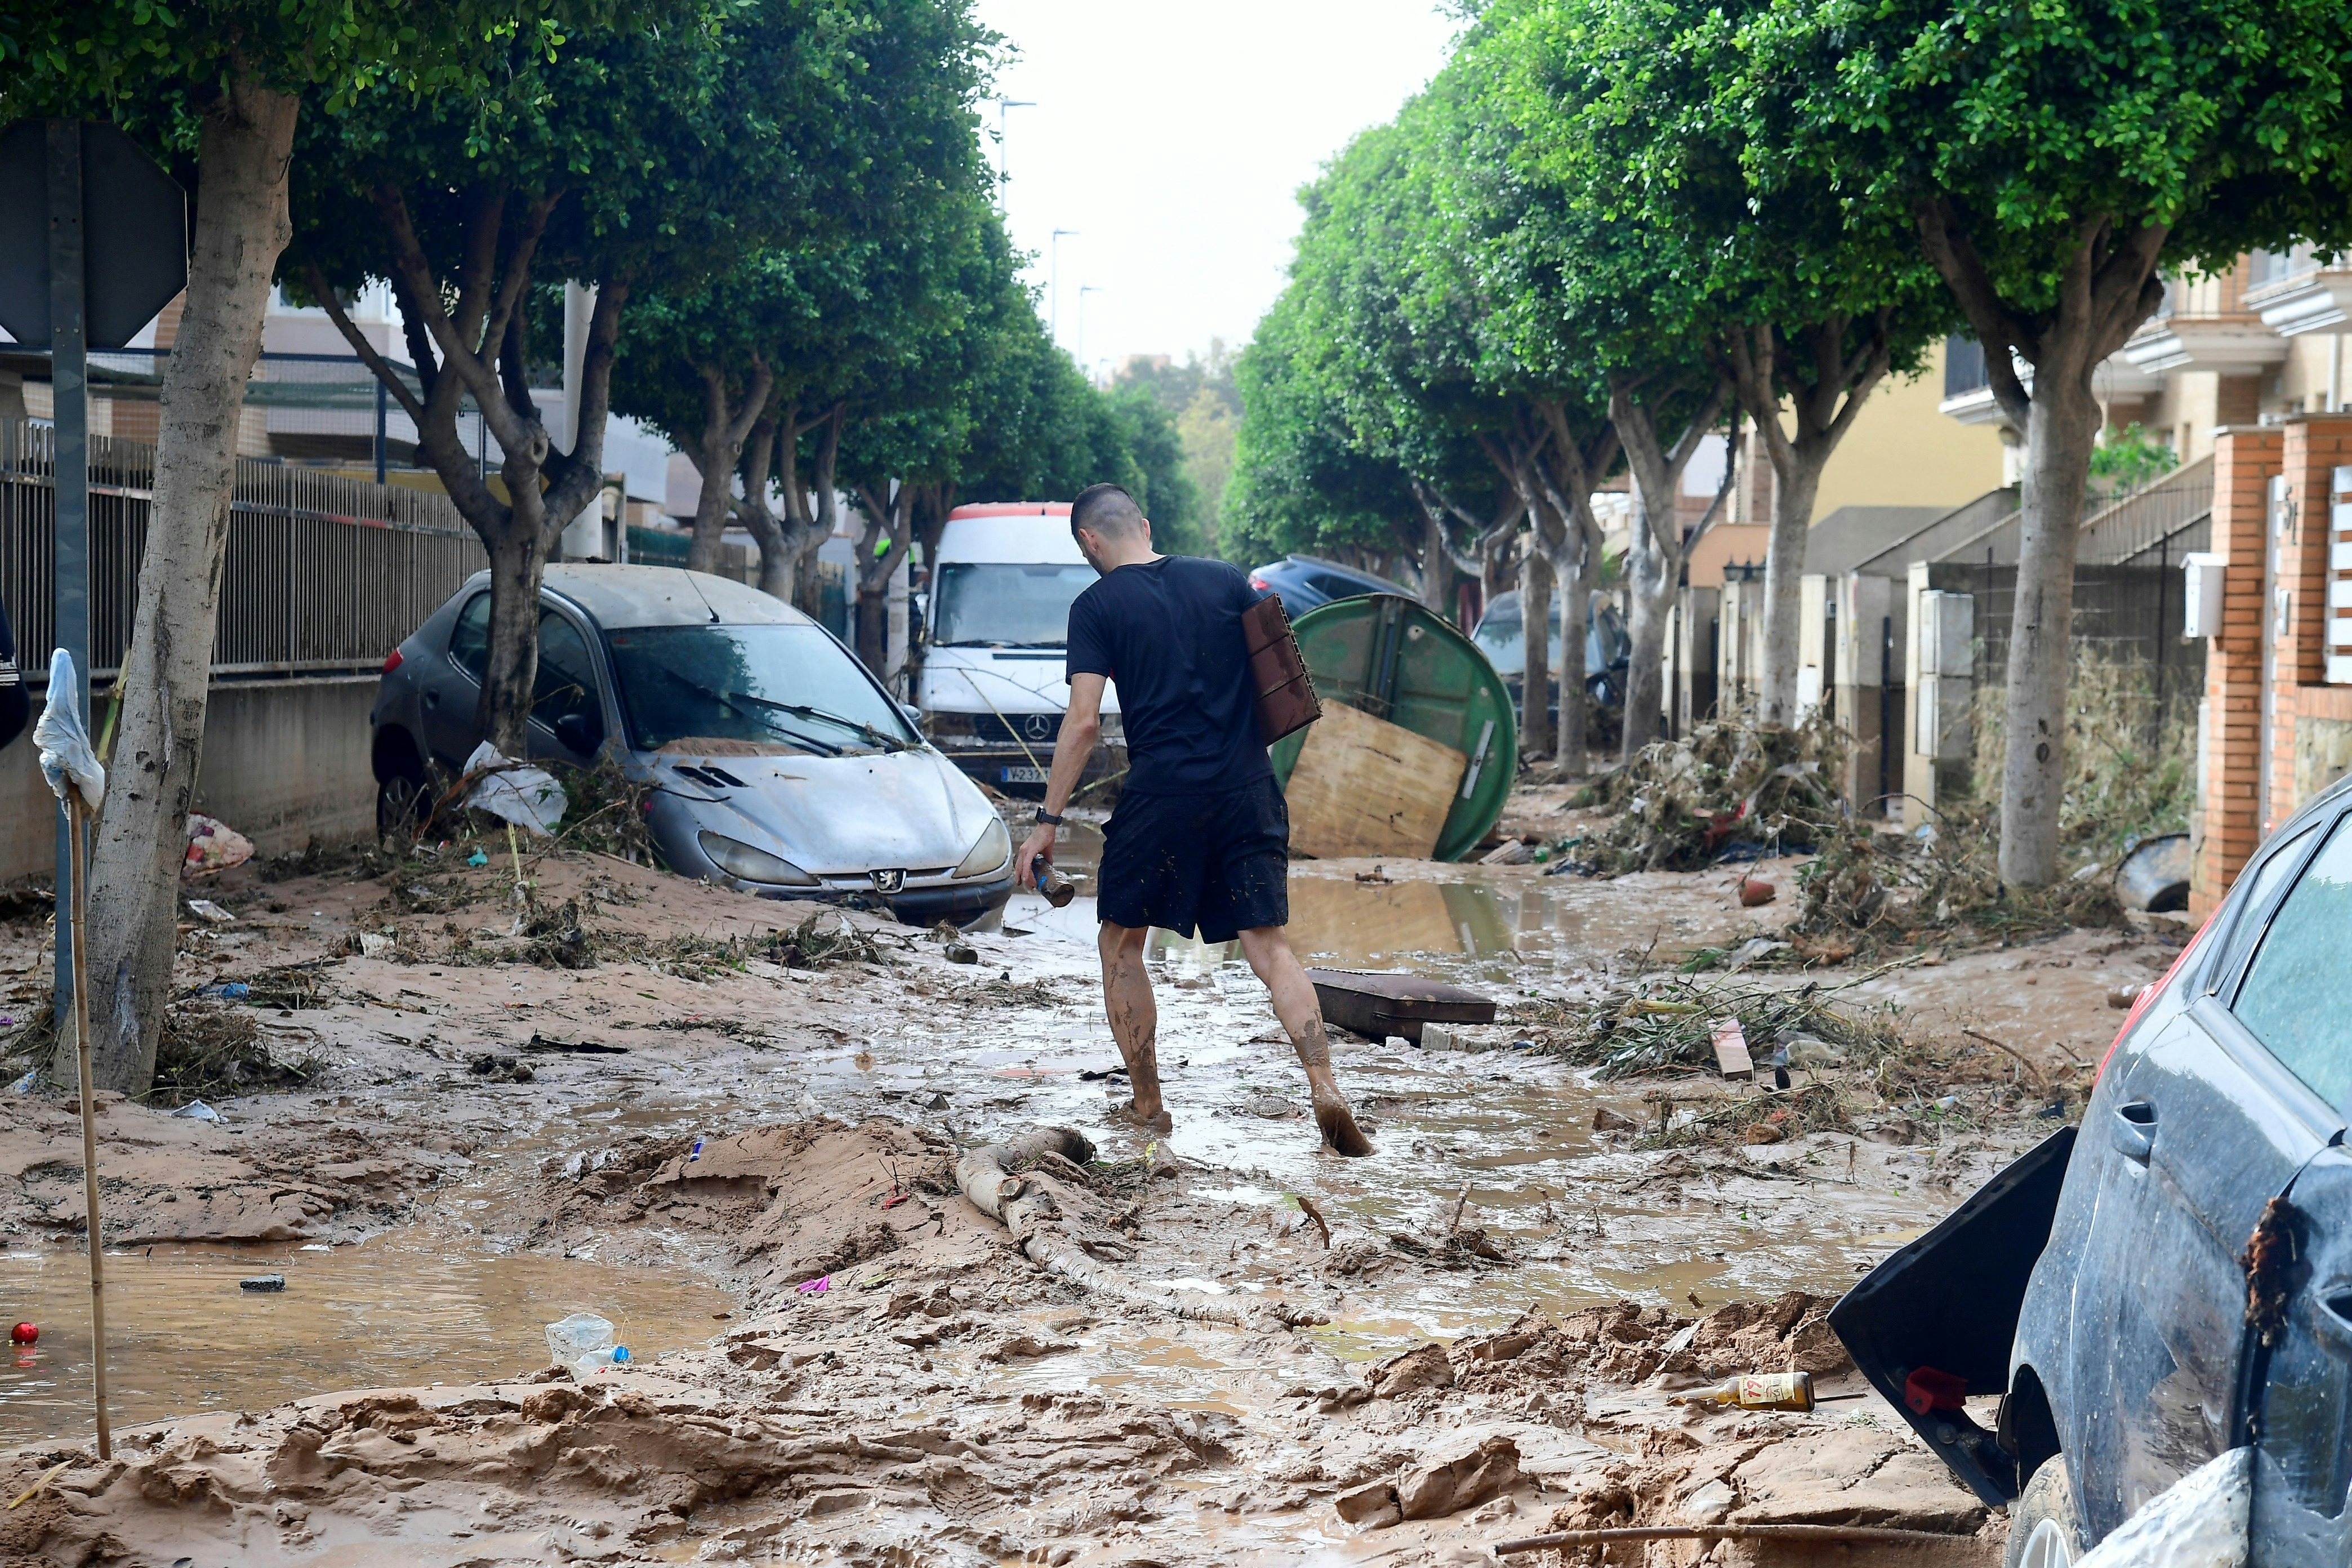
point(1728, 786)
point(1866, 890)
point(1664, 1026)
point(214, 1049)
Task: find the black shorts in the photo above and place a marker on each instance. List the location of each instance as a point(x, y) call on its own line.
point(1220, 862)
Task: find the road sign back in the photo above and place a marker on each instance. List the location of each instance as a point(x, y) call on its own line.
point(134, 234)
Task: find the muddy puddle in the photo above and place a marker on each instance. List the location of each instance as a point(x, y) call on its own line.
point(1507, 1134)
point(409, 1306)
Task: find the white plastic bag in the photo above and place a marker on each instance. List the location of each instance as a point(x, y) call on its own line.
point(527, 796)
point(581, 1334)
point(68, 759)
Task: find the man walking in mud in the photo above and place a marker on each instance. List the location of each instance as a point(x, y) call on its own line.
point(1201, 836)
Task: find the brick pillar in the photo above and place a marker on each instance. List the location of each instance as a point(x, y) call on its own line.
point(2244, 459)
point(2315, 445)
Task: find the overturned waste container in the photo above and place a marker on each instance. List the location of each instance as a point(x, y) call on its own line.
point(1417, 748)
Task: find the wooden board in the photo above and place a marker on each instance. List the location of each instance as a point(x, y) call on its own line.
point(1365, 787)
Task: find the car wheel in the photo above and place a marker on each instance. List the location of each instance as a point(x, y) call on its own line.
point(402, 800)
point(2042, 1529)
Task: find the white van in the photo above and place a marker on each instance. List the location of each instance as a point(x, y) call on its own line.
point(993, 684)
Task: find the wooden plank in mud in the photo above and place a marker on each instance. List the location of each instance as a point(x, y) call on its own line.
point(1365, 787)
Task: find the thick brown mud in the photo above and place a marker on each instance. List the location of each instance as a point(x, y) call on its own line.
point(494, 1139)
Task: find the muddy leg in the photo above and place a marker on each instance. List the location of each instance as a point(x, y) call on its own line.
point(1268, 951)
point(1134, 1019)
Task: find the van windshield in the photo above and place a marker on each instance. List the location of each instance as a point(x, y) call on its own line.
point(1006, 604)
point(750, 690)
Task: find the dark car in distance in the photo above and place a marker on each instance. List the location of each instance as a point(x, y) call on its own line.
point(1309, 581)
point(2174, 1279)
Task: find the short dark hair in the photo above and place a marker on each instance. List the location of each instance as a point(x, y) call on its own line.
point(1107, 510)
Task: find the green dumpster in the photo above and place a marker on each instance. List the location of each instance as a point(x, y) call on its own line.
point(1390, 656)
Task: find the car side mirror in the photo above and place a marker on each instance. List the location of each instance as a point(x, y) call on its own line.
point(914, 715)
point(579, 732)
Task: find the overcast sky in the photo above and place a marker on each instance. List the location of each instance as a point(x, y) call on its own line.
point(1173, 137)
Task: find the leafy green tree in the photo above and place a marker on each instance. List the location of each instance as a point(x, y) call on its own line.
point(740, 368)
point(2054, 160)
point(1362, 435)
point(1202, 397)
point(218, 89)
point(1590, 307)
point(1636, 110)
point(619, 158)
point(2130, 457)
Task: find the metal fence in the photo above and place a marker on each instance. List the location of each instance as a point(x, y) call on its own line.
point(323, 574)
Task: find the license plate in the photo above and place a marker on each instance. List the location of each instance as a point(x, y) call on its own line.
point(1021, 776)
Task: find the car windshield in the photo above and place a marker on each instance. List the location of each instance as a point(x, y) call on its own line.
point(1503, 639)
point(1007, 603)
point(750, 690)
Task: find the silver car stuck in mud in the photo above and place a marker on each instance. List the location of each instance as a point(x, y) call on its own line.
point(778, 765)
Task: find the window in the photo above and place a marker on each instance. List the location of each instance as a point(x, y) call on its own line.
point(749, 692)
point(2298, 990)
point(567, 675)
point(2246, 924)
point(1006, 604)
point(469, 644)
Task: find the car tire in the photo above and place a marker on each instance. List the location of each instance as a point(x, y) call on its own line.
point(2042, 1529)
point(402, 801)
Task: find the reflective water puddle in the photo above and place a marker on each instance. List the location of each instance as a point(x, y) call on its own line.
point(408, 1306)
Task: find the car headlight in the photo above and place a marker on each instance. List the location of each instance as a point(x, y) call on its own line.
point(994, 848)
point(951, 726)
point(746, 864)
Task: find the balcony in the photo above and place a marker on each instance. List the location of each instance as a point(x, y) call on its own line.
point(1968, 387)
point(2209, 324)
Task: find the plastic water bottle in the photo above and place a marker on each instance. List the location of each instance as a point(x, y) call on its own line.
point(571, 1338)
point(1058, 890)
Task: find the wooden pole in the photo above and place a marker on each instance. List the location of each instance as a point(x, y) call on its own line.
point(76, 822)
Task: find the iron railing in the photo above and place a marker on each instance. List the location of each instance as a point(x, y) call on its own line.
point(323, 574)
point(2151, 520)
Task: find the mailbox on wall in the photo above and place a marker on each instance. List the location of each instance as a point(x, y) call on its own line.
point(2200, 597)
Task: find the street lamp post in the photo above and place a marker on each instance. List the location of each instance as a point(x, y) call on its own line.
point(1085, 289)
point(1003, 106)
point(1054, 297)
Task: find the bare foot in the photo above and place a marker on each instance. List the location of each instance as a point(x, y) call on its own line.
point(1158, 1121)
point(1340, 1133)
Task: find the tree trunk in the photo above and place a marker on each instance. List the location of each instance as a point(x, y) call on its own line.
point(1577, 569)
point(2059, 435)
point(1436, 561)
point(1653, 563)
point(1764, 363)
point(724, 431)
point(1535, 620)
point(246, 143)
point(776, 552)
point(891, 520)
point(2108, 288)
point(824, 520)
point(517, 565)
point(1650, 580)
point(475, 321)
point(1795, 484)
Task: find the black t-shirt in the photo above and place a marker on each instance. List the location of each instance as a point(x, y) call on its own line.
point(1168, 633)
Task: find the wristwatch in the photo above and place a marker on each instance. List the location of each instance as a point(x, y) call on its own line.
point(1049, 818)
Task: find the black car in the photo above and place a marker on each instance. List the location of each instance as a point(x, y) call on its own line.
point(2174, 1280)
point(1308, 582)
